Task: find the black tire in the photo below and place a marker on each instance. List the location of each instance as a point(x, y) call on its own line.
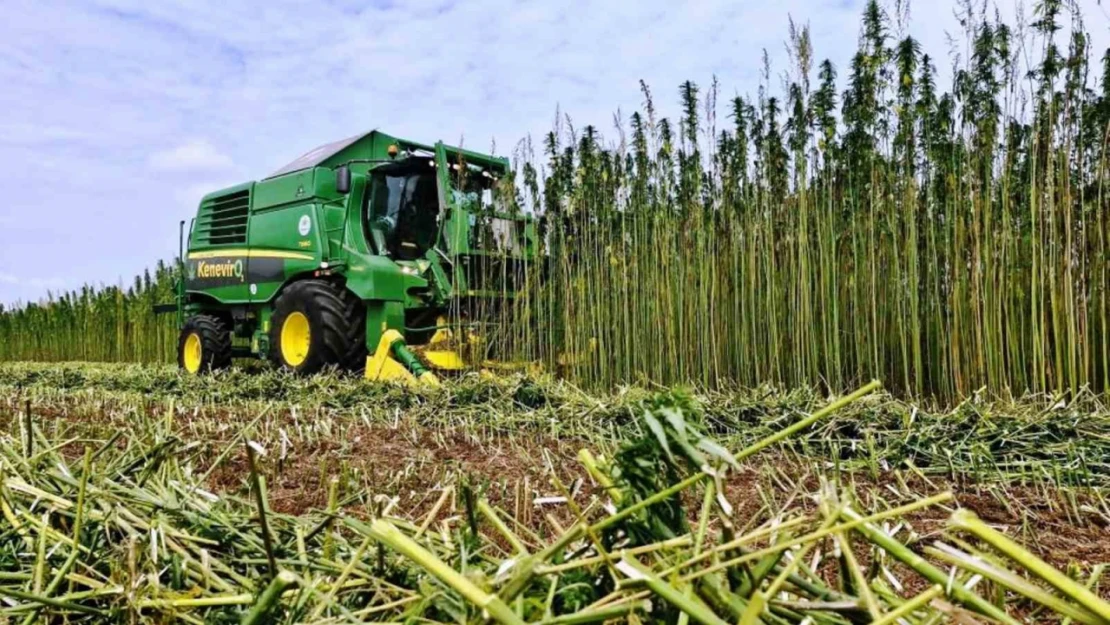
point(214, 340)
point(355, 311)
point(329, 327)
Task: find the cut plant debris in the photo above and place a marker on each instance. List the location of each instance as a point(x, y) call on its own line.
point(123, 526)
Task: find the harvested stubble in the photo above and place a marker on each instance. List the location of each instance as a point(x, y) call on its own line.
point(126, 532)
point(1038, 439)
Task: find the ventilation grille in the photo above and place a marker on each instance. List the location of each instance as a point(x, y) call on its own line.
point(223, 220)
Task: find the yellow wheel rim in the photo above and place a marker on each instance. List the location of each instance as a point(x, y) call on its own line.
point(192, 353)
point(295, 339)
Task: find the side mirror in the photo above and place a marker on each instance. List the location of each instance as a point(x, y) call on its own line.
point(343, 180)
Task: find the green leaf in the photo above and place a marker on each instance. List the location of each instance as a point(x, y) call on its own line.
point(657, 429)
point(678, 423)
point(714, 449)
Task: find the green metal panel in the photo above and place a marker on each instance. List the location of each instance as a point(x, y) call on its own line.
point(382, 316)
point(285, 240)
point(295, 187)
point(215, 264)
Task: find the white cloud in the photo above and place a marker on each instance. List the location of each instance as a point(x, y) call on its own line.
point(33, 282)
point(191, 156)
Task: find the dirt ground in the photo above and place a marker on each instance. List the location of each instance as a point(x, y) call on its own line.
point(410, 465)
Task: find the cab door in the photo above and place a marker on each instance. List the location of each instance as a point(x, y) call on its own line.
point(454, 223)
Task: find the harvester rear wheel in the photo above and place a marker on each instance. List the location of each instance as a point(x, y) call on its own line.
point(204, 345)
point(310, 328)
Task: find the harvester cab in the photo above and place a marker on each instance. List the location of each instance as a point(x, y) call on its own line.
point(372, 253)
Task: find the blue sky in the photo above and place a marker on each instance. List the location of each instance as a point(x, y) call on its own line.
point(117, 115)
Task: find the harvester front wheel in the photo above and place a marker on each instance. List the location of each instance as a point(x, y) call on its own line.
point(355, 312)
point(310, 328)
point(204, 345)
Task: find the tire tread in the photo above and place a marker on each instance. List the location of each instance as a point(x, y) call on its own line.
point(215, 341)
point(339, 321)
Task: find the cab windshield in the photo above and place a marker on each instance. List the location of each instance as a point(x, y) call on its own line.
point(401, 211)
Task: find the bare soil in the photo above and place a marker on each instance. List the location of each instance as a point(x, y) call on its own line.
point(409, 464)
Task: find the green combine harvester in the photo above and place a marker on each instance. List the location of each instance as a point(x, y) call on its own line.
point(372, 253)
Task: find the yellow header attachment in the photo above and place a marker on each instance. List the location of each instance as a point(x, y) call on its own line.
point(392, 360)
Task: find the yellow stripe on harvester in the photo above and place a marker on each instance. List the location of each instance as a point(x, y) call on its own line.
point(245, 253)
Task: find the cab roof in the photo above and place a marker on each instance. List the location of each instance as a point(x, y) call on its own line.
point(375, 145)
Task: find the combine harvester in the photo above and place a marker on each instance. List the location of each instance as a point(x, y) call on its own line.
point(371, 253)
